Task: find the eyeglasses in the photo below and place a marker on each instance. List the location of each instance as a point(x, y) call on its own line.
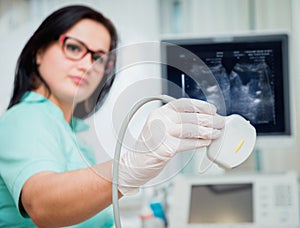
point(75, 50)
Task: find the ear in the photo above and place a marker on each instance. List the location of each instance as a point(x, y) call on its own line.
point(39, 57)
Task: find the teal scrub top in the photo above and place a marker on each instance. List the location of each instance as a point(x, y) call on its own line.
point(35, 137)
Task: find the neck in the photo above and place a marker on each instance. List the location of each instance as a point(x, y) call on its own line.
point(66, 107)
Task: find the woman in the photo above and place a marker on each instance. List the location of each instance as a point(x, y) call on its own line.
point(44, 181)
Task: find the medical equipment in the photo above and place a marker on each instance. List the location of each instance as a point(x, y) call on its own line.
point(251, 78)
point(239, 75)
point(235, 201)
point(235, 144)
point(122, 132)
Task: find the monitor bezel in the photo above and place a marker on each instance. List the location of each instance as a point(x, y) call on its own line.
point(283, 38)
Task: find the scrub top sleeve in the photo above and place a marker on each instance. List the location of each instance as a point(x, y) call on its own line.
point(28, 146)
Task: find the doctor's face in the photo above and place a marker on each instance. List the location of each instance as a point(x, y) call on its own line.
point(74, 65)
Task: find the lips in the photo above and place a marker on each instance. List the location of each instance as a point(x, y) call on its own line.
point(78, 80)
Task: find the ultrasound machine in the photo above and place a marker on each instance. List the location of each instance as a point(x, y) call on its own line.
point(246, 75)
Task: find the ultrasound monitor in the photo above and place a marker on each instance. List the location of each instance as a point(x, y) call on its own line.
point(251, 73)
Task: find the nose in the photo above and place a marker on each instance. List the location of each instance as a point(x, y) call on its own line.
point(86, 62)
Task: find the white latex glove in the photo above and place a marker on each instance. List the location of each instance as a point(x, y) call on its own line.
point(181, 125)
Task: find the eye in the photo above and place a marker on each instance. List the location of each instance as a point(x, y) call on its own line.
point(73, 48)
point(100, 58)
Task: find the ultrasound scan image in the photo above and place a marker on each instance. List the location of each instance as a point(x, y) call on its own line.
point(246, 87)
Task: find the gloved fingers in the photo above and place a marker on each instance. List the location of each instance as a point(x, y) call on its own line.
point(194, 131)
point(174, 145)
point(206, 120)
point(191, 105)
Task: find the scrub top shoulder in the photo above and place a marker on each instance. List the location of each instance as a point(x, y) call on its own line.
point(35, 137)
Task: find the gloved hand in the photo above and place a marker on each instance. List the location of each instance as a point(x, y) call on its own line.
point(181, 125)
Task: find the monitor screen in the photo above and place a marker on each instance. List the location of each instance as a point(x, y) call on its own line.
point(221, 203)
point(251, 73)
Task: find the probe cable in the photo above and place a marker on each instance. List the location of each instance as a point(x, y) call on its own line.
point(115, 177)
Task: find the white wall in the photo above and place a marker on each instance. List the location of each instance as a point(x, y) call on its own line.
point(273, 16)
point(13, 30)
point(205, 17)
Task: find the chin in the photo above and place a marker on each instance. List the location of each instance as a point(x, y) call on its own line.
point(78, 100)
point(81, 95)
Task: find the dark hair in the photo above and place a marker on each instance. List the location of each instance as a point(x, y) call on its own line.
point(27, 76)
